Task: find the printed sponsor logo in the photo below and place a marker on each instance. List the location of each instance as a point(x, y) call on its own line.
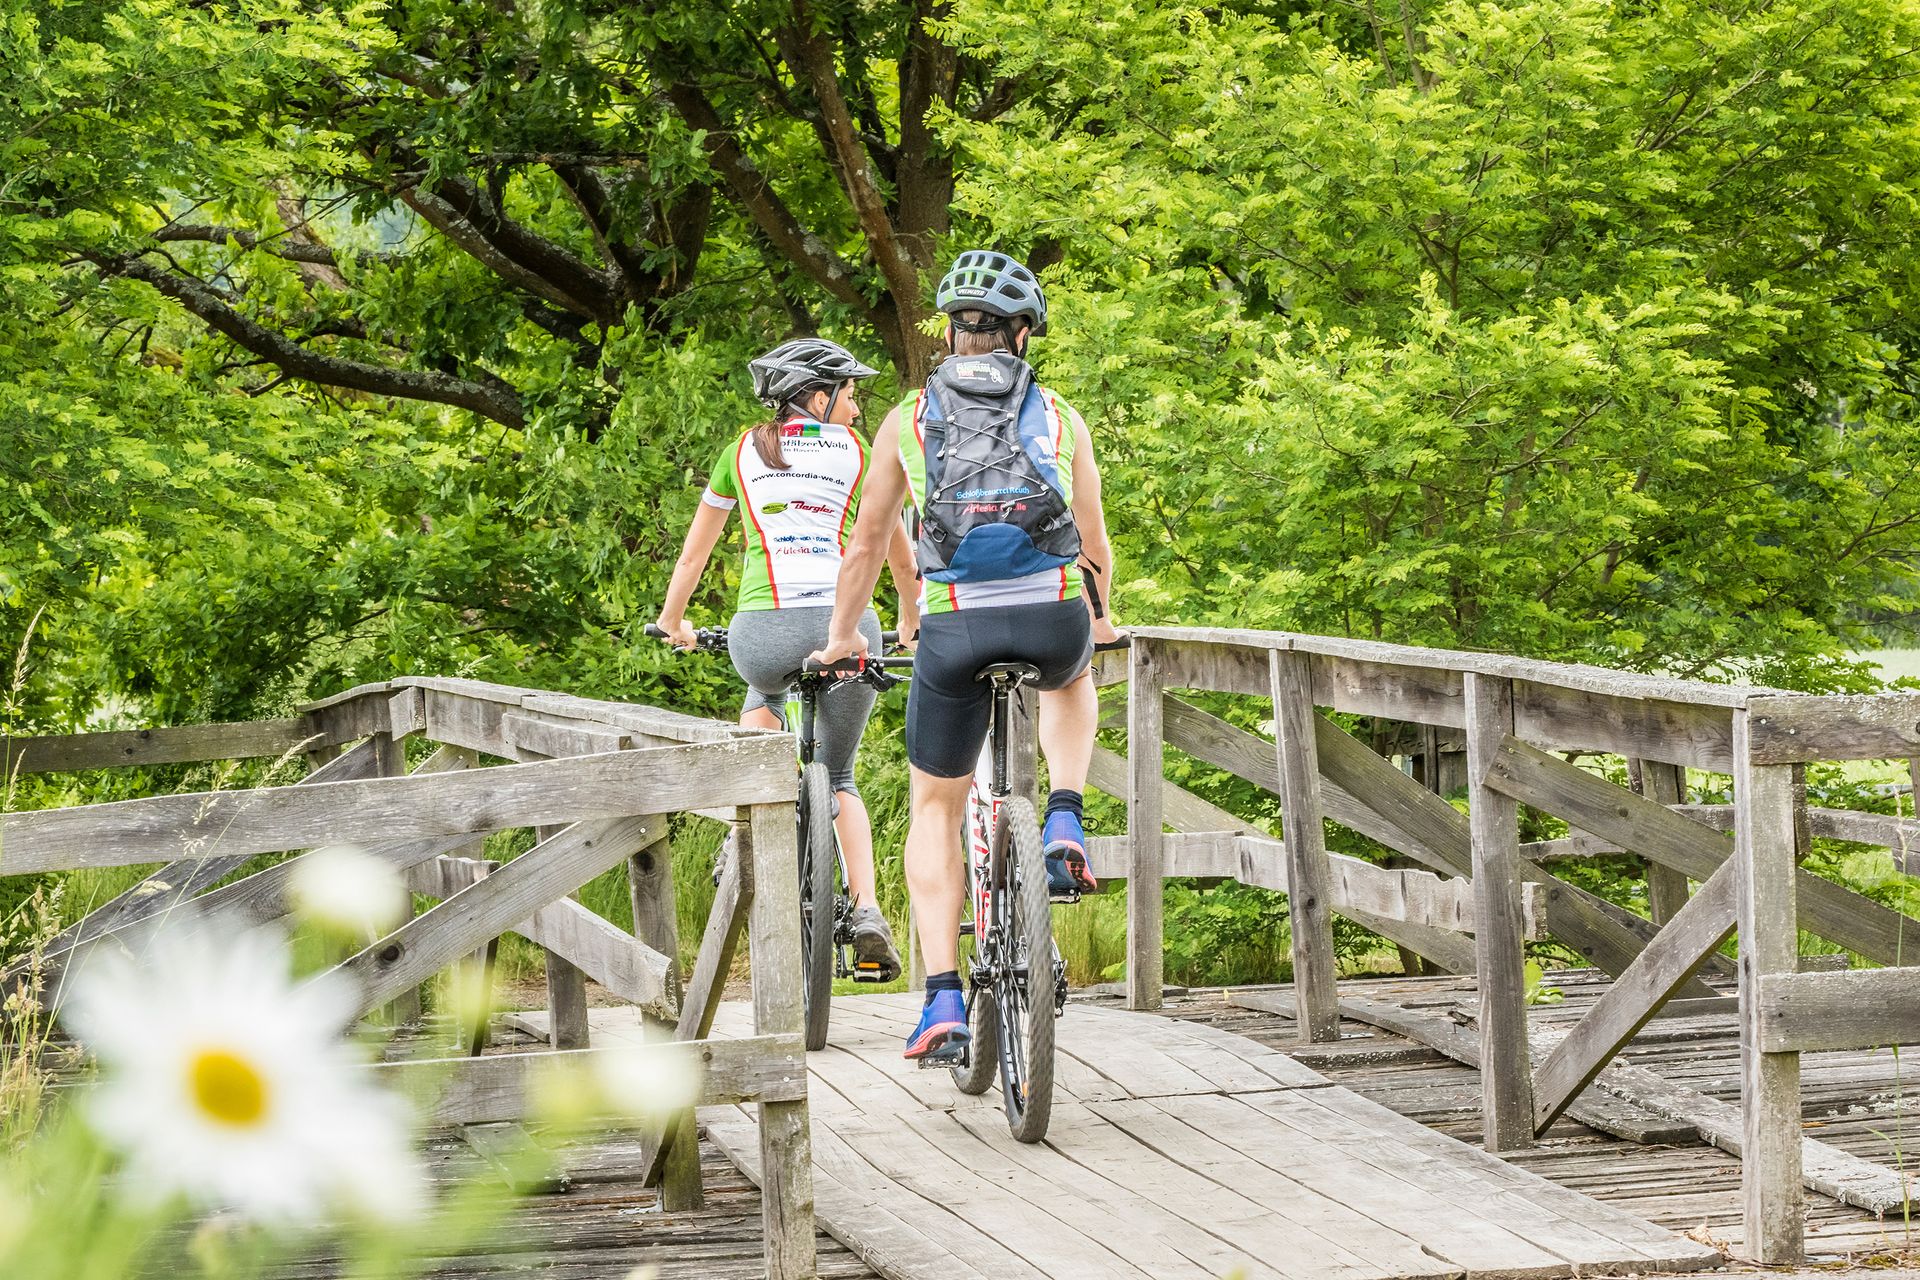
point(976, 495)
point(817, 508)
point(811, 539)
point(801, 431)
point(979, 371)
point(773, 508)
point(982, 508)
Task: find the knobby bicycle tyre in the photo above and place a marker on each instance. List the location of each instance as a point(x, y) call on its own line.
point(983, 1020)
point(1024, 1004)
point(819, 861)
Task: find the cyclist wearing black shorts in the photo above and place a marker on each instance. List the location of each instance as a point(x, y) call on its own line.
point(1001, 472)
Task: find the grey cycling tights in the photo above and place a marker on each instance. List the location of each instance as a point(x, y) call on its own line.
point(768, 645)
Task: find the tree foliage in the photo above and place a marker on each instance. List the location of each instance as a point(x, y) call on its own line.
point(353, 338)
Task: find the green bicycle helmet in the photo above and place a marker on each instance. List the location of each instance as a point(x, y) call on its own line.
point(984, 280)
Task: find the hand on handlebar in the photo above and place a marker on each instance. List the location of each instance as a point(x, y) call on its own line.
point(1104, 632)
point(839, 648)
point(679, 634)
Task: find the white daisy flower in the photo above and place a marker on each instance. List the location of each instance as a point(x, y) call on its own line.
point(349, 891)
point(225, 1082)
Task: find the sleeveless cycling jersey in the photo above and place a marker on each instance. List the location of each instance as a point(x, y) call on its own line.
point(1052, 584)
point(795, 521)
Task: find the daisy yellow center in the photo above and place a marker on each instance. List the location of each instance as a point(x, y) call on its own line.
point(227, 1088)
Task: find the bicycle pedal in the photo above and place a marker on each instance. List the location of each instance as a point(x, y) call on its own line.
point(932, 1060)
point(870, 971)
point(1063, 897)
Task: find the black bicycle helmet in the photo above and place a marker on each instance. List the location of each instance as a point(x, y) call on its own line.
point(983, 280)
point(802, 365)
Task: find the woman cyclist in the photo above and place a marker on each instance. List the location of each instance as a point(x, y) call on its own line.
point(798, 477)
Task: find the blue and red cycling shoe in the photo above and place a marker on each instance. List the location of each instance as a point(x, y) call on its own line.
point(1066, 855)
point(942, 1033)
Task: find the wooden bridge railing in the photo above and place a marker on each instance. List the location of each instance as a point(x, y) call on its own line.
point(596, 780)
point(1511, 716)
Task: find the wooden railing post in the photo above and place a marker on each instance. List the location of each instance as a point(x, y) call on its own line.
point(773, 941)
point(1764, 844)
point(656, 923)
point(1662, 783)
point(1315, 969)
point(566, 991)
point(1506, 1066)
point(1146, 852)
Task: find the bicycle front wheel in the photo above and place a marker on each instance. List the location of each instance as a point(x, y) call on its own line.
point(819, 858)
point(1023, 987)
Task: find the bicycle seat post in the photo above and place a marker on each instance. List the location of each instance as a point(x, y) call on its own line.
point(1002, 706)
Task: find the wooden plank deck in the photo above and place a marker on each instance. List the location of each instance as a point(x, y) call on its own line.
point(1866, 1103)
point(1177, 1150)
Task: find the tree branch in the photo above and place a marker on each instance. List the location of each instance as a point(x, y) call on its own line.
point(756, 195)
point(492, 399)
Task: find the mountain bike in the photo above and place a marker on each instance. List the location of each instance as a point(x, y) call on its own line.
point(826, 908)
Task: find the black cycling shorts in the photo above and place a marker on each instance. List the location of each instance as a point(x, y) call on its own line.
point(948, 709)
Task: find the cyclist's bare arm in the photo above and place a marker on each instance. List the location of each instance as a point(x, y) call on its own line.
point(873, 533)
point(1096, 553)
point(709, 522)
point(906, 580)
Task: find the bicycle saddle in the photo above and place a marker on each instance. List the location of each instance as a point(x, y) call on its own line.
point(1022, 672)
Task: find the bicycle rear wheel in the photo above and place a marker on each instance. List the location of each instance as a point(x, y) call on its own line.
point(819, 860)
point(1023, 987)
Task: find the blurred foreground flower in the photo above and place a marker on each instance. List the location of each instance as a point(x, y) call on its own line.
point(348, 891)
point(224, 1082)
point(636, 1084)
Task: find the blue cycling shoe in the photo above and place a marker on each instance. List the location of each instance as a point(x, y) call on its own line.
point(942, 1032)
point(1066, 854)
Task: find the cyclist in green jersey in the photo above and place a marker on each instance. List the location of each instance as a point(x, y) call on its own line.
point(1002, 474)
point(797, 480)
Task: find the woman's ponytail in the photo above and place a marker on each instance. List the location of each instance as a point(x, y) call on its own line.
point(766, 443)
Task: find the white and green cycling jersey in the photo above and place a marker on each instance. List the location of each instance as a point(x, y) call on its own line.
point(795, 520)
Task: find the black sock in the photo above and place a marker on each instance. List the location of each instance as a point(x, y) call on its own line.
point(1062, 801)
point(948, 981)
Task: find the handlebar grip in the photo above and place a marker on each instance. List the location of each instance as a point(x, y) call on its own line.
point(654, 632)
point(1110, 646)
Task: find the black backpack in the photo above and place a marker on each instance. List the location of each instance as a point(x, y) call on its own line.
point(997, 500)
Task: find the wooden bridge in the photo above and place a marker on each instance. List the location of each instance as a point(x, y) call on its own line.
point(1175, 1151)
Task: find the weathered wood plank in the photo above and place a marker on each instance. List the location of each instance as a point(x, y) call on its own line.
point(1394, 691)
point(1636, 996)
point(1860, 1009)
point(178, 882)
point(1212, 740)
point(208, 824)
point(1654, 831)
point(1315, 970)
point(1770, 1172)
point(598, 948)
point(773, 940)
point(491, 1090)
point(1681, 733)
point(172, 744)
point(1433, 832)
point(531, 736)
point(1800, 728)
point(1506, 1067)
point(1602, 680)
point(656, 923)
point(1624, 1120)
point(1665, 784)
point(567, 1026)
point(482, 911)
point(1824, 1168)
point(1146, 820)
point(1223, 668)
point(1109, 771)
